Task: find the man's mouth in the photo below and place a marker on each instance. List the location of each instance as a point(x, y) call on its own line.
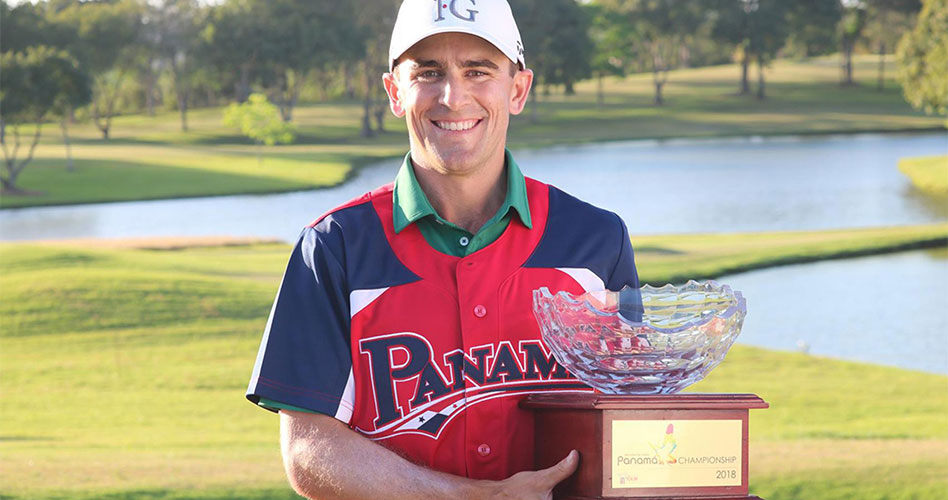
point(456, 126)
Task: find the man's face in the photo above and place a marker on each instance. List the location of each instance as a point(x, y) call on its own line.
point(457, 94)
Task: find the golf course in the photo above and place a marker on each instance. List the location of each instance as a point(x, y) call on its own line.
point(123, 364)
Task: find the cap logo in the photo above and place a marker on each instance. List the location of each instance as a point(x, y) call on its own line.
point(452, 7)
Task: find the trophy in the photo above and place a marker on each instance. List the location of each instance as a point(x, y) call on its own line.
point(637, 438)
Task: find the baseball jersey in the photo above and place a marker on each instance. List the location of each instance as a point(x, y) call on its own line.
point(426, 353)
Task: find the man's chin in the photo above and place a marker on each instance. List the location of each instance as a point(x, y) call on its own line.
point(453, 160)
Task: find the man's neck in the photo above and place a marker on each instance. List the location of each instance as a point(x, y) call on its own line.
point(468, 201)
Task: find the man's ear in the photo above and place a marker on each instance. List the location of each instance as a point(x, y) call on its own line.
point(522, 82)
point(390, 82)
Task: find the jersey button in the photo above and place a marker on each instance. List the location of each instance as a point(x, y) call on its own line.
point(483, 450)
point(480, 311)
point(464, 241)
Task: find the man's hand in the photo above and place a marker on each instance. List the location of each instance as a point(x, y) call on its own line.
point(530, 485)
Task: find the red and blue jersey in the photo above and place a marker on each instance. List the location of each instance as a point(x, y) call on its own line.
point(426, 353)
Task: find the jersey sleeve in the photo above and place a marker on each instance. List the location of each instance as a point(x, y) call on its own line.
point(623, 272)
point(304, 359)
point(625, 279)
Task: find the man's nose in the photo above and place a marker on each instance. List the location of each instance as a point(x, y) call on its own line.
point(454, 92)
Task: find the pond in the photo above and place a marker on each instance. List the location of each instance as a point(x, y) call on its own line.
point(671, 186)
point(886, 309)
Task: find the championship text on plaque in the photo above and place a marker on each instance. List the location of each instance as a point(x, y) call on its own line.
point(676, 453)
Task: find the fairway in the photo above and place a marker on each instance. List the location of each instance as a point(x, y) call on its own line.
point(150, 158)
point(124, 372)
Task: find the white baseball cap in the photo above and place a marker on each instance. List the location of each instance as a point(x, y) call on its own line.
point(491, 20)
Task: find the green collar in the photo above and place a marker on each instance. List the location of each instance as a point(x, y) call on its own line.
point(411, 203)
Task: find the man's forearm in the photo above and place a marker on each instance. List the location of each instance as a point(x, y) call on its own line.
point(324, 459)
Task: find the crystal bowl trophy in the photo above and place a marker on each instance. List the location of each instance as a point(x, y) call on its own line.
point(637, 438)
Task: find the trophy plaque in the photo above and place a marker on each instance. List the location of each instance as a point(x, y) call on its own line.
point(637, 438)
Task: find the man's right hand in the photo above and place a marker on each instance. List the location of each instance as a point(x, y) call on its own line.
point(538, 485)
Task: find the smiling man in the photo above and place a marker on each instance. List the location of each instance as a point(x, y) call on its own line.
point(402, 338)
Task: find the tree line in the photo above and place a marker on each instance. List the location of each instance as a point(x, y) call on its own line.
point(99, 58)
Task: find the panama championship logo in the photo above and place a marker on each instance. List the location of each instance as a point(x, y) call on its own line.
point(665, 448)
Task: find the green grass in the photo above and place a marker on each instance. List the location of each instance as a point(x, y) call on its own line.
point(839, 430)
point(146, 171)
point(803, 98)
point(676, 258)
point(928, 174)
point(149, 157)
point(886, 479)
point(123, 374)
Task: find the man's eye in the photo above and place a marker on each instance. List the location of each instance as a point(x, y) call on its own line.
point(428, 74)
point(475, 72)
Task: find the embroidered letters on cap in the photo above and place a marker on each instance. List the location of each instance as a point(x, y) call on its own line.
point(453, 9)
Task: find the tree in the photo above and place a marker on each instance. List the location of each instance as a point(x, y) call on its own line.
point(850, 31)
point(302, 36)
point(812, 27)
point(178, 26)
point(105, 45)
point(261, 121)
point(233, 44)
point(887, 21)
point(534, 20)
point(374, 20)
point(148, 63)
point(758, 28)
point(75, 91)
point(33, 83)
point(613, 42)
point(556, 36)
point(731, 26)
point(34, 24)
point(768, 33)
point(663, 28)
point(922, 53)
point(23, 26)
point(572, 46)
point(31, 25)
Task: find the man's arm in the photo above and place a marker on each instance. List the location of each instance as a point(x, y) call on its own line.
point(325, 459)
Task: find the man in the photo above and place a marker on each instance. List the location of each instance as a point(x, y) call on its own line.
point(402, 338)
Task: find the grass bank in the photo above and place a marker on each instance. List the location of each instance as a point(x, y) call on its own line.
point(929, 174)
point(675, 258)
point(149, 157)
point(124, 371)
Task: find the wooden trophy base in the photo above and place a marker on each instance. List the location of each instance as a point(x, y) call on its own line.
point(657, 447)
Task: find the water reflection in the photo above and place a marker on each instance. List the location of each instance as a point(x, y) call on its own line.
point(935, 205)
point(268, 216)
point(746, 185)
point(888, 309)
